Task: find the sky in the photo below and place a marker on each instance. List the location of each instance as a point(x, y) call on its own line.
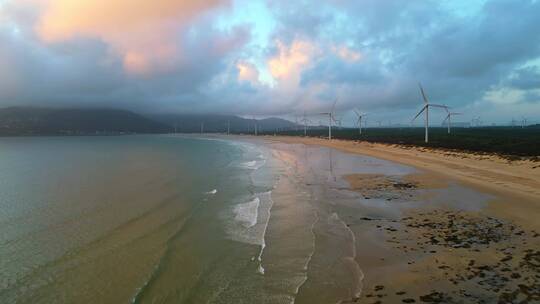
point(275, 58)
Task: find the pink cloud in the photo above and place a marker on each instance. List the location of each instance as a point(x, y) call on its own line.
point(144, 33)
point(247, 72)
point(291, 59)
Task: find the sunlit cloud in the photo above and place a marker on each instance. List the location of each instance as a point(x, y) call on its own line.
point(291, 59)
point(270, 57)
point(144, 33)
point(247, 72)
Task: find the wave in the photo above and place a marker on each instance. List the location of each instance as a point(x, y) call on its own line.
point(253, 165)
point(310, 256)
point(211, 192)
point(355, 267)
point(246, 213)
point(250, 221)
point(263, 245)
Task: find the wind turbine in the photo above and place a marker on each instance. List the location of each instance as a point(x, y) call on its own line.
point(359, 121)
point(523, 122)
point(449, 118)
point(255, 122)
point(228, 127)
point(305, 121)
point(476, 122)
point(331, 117)
point(425, 108)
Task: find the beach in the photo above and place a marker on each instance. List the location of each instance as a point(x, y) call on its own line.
point(462, 228)
point(243, 219)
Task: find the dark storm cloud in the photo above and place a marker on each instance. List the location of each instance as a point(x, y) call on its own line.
point(369, 54)
point(457, 58)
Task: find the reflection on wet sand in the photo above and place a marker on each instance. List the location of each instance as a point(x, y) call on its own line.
point(418, 237)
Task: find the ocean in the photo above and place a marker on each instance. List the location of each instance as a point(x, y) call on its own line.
point(175, 219)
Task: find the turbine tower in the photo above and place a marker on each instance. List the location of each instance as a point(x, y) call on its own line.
point(305, 121)
point(331, 117)
point(449, 118)
point(523, 122)
point(255, 122)
point(359, 121)
point(425, 108)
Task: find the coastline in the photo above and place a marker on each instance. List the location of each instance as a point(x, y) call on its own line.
point(473, 249)
point(493, 173)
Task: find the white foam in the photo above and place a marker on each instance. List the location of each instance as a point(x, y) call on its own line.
point(352, 258)
point(263, 242)
point(250, 223)
point(211, 192)
point(253, 165)
point(249, 164)
point(246, 213)
point(260, 269)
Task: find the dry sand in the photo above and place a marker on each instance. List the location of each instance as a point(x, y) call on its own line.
point(446, 255)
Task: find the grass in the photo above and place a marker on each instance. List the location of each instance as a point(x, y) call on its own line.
point(510, 142)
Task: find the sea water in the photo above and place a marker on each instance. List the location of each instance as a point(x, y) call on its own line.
point(140, 219)
point(173, 219)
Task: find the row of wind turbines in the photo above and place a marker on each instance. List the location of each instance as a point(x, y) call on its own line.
point(360, 116)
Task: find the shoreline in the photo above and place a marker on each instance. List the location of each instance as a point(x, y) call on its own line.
point(466, 248)
point(491, 173)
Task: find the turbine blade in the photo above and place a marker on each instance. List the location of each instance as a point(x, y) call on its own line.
point(423, 93)
point(447, 117)
point(419, 113)
point(438, 105)
point(334, 105)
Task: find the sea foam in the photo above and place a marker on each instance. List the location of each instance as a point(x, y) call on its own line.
point(246, 213)
point(249, 220)
point(253, 165)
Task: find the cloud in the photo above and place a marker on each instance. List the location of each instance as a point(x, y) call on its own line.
point(525, 78)
point(247, 72)
point(144, 33)
point(212, 56)
point(290, 59)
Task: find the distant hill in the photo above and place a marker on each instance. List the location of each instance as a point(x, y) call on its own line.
point(191, 123)
point(50, 121)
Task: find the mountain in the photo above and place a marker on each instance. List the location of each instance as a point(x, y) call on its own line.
point(51, 121)
point(192, 123)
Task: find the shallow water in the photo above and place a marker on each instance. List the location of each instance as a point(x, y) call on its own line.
point(171, 219)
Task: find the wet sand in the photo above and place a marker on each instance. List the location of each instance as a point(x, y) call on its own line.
point(420, 238)
point(443, 254)
point(489, 172)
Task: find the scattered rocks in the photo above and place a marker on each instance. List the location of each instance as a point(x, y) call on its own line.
point(476, 258)
point(458, 229)
point(376, 186)
point(436, 297)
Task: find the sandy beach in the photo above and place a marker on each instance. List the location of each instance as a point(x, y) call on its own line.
point(434, 251)
point(497, 174)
